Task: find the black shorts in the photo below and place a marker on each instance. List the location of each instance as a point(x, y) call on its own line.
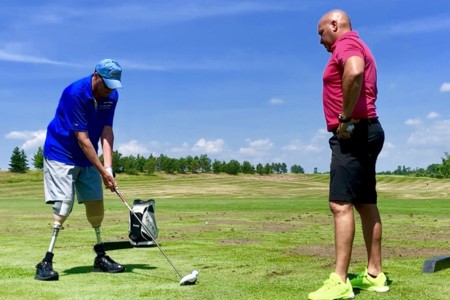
point(352, 169)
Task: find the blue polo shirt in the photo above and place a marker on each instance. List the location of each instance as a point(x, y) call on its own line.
point(78, 111)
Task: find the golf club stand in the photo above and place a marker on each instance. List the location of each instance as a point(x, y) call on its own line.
point(141, 221)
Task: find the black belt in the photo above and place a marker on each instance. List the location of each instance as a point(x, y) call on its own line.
point(363, 122)
point(368, 121)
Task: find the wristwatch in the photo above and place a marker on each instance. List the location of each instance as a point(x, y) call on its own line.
point(343, 119)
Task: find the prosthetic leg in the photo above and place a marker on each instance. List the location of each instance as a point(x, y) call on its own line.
point(102, 262)
point(44, 269)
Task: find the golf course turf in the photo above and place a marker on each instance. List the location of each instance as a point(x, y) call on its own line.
point(249, 236)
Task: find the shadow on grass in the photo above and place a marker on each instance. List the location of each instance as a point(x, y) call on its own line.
point(89, 269)
point(130, 268)
point(357, 291)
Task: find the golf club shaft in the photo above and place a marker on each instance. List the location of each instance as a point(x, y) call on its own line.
point(146, 230)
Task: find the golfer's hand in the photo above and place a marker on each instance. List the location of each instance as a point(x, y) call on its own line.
point(108, 179)
point(344, 131)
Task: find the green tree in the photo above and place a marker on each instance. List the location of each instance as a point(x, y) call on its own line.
point(276, 168)
point(444, 169)
point(150, 165)
point(170, 165)
point(160, 162)
point(117, 163)
point(204, 163)
point(267, 169)
point(130, 165)
point(233, 167)
point(193, 164)
point(259, 169)
point(248, 168)
point(297, 169)
point(182, 165)
point(19, 161)
point(218, 166)
point(140, 163)
point(38, 159)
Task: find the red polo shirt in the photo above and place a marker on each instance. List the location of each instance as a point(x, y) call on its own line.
point(347, 45)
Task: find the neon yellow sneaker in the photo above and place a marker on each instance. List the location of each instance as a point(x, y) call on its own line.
point(366, 282)
point(333, 288)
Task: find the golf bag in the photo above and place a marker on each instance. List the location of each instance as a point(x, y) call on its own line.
point(138, 234)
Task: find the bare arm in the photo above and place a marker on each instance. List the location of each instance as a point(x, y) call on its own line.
point(89, 151)
point(352, 80)
point(107, 141)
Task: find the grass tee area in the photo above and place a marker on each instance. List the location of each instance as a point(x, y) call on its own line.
point(250, 237)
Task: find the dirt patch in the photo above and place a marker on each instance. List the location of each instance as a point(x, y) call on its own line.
point(241, 241)
point(271, 227)
point(278, 273)
point(359, 252)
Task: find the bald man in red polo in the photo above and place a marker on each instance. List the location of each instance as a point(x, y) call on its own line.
point(349, 96)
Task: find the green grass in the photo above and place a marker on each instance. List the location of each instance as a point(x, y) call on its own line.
point(251, 237)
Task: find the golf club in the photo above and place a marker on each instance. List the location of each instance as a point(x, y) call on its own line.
point(186, 280)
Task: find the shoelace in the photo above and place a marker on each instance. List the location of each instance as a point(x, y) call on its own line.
point(47, 265)
point(329, 283)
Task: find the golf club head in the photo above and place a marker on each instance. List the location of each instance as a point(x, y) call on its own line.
point(189, 279)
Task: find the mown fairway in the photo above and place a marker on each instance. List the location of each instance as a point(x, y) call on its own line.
point(251, 237)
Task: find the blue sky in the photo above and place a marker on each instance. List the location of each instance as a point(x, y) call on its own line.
point(231, 79)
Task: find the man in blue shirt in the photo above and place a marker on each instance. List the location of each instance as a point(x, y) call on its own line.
point(84, 117)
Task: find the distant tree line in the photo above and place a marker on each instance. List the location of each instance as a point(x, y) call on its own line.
point(441, 170)
point(194, 164)
point(203, 164)
point(139, 164)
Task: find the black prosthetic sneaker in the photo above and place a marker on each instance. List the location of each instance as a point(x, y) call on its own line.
point(44, 269)
point(104, 263)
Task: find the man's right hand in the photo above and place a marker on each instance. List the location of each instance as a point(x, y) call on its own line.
point(108, 179)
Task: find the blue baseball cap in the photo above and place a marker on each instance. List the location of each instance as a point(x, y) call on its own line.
point(110, 71)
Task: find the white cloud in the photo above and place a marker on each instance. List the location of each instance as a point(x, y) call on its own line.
point(256, 147)
point(417, 26)
point(445, 87)
point(262, 144)
point(317, 143)
point(298, 146)
point(9, 55)
point(122, 16)
point(133, 148)
point(392, 85)
point(321, 137)
point(179, 11)
point(433, 115)
point(413, 122)
point(388, 145)
point(387, 151)
point(276, 101)
point(208, 147)
point(436, 135)
point(183, 150)
point(145, 66)
point(33, 139)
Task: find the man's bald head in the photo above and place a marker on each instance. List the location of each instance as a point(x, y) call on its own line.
point(332, 25)
point(340, 17)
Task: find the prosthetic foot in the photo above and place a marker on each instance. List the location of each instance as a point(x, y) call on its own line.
point(44, 269)
point(104, 263)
